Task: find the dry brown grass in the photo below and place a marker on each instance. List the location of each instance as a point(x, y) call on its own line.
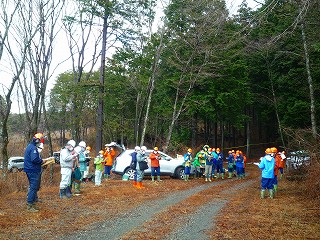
point(291, 215)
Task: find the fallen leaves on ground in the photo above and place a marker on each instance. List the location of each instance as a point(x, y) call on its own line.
point(289, 216)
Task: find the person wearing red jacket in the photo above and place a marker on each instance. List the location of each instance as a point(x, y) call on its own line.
point(155, 165)
point(282, 162)
point(277, 159)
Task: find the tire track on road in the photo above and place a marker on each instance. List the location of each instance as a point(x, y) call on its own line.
point(130, 221)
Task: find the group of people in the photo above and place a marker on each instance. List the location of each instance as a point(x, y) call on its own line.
point(103, 163)
point(271, 164)
point(74, 163)
point(139, 164)
point(208, 163)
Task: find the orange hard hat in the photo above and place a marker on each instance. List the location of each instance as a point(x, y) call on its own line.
point(189, 150)
point(88, 148)
point(218, 150)
point(155, 148)
point(268, 151)
point(101, 152)
point(274, 150)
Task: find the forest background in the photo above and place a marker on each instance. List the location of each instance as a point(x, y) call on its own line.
point(246, 81)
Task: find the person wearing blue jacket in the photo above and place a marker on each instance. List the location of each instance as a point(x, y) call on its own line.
point(267, 165)
point(80, 150)
point(230, 159)
point(239, 164)
point(219, 166)
point(32, 167)
point(187, 157)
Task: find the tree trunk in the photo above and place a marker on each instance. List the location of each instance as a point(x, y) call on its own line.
point(248, 139)
point(101, 87)
point(311, 91)
point(151, 85)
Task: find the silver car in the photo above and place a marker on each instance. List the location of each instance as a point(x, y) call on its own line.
point(168, 166)
point(15, 164)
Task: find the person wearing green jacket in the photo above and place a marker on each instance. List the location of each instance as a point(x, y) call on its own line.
point(98, 162)
point(199, 164)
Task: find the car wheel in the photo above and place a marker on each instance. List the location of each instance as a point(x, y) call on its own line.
point(130, 172)
point(179, 173)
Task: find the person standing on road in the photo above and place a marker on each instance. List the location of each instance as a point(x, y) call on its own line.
point(80, 150)
point(267, 165)
point(219, 164)
point(155, 164)
point(187, 157)
point(214, 162)
point(87, 172)
point(282, 162)
point(141, 156)
point(277, 159)
point(98, 161)
point(109, 155)
point(244, 163)
point(67, 161)
point(230, 159)
point(239, 164)
point(32, 167)
point(134, 164)
point(209, 164)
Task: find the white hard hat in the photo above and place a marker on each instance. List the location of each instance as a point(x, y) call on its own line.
point(137, 148)
point(82, 144)
point(71, 143)
point(144, 148)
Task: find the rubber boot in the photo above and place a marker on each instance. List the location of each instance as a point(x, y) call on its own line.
point(230, 175)
point(135, 183)
point(186, 177)
point(262, 194)
point(222, 175)
point(139, 185)
point(275, 188)
point(63, 193)
point(68, 192)
point(152, 178)
point(281, 176)
point(32, 208)
point(158, 178)
point(218, 175)
point(209, 179)
point(271, 193)
point(77, 188)
point(206, 180)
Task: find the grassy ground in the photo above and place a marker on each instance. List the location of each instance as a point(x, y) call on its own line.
point(291, 215)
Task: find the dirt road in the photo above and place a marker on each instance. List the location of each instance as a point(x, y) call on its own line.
point(193, 224)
